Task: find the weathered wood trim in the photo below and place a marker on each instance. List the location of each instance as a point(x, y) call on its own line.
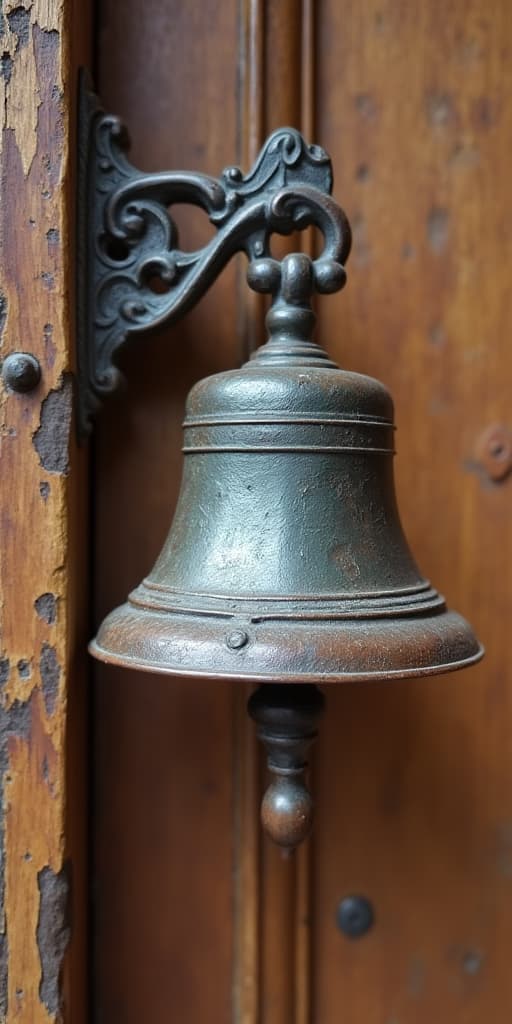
point(42, 575)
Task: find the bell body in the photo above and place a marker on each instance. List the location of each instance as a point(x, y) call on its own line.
point(286, 560)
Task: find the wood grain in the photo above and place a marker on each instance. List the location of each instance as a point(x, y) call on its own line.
point(41, 564)
point(414, 778)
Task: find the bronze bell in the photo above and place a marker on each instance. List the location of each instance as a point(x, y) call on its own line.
point(286, 562)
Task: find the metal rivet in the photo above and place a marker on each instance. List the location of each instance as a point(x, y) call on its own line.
point(21, 372)
point(355, 916)
point(237, 639)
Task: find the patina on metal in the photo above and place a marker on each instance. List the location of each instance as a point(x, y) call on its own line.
point(133, 277)
point(286, 532)
point(286, 562)
point(287, 725)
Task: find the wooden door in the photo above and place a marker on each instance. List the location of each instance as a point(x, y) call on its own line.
point(196, 917)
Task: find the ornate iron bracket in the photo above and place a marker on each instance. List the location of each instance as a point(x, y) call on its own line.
point(133, 277)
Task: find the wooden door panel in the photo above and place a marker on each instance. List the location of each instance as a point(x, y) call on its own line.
point(163, 851)
point(196, 914)
point(413, 779)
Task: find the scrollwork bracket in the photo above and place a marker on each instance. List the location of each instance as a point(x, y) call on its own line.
point(127, 238)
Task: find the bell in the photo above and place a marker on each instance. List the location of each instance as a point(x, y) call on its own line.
point(286, 560)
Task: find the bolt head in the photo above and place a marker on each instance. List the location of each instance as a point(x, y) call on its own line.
point(355, 916)
point(21, 372)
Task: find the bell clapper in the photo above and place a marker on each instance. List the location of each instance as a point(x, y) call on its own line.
point(287, 716)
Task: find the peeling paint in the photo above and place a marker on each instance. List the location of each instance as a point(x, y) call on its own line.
point(14, 721)
point(3, 313)
point(22, 105)
point(50, 349)
point(4, 672)
point(48, 280)
point(19, 23)
point(46, 608)
point(24, 668)
point(4, 963)
point(50, 676)
point(53, 933)
point(44, 490)
point(51, 439)
point(6, 66)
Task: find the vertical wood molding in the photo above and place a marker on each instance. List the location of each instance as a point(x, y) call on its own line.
point(250, 315)
point(42, 572)
point(272, 955)
point(251, 135)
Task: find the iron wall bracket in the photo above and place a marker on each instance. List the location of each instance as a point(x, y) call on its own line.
point(133, 277)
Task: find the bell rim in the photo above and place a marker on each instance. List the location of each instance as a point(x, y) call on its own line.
point(320, 679)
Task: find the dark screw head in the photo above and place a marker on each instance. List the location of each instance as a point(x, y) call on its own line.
point(21, 372)
point(355, 916)
point(237, 639)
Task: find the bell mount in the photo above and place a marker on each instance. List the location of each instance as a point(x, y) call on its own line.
point(134, 278)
